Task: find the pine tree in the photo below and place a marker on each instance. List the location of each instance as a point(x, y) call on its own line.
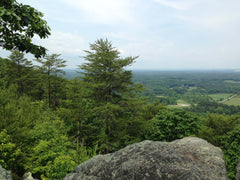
point(18, 71)
point(110, 86)
point(51, 65)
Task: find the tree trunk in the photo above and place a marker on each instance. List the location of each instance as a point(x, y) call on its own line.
point(49, 90)
point(79, 127)
point(106, 150)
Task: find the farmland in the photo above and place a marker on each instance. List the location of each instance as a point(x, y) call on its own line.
point(235, 101)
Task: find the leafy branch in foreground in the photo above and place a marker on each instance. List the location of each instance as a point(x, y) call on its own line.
point(18, 25)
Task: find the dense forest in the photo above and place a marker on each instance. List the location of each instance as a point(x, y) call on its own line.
point(51, 121)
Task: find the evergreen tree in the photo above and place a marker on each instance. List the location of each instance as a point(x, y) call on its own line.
point(50, 67)
point(18, 71)
point(78, 112)
point(3, 72)
point(111, 88)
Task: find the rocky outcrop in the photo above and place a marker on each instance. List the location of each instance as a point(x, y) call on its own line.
point(238, 170)
point(189, 158)
point(4, 174)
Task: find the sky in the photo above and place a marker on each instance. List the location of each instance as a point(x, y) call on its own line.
point(165, 34)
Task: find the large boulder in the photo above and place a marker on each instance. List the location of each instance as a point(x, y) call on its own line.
point(4, 174)
point(189, 158)
point(238, 170)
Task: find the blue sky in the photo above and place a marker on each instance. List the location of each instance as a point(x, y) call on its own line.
point(165, 34)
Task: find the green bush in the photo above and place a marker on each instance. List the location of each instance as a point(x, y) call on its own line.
point(231, 148)
point(9, 152)
point(170, 125)
point(216, 126)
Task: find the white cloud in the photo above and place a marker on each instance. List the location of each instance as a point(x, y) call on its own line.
point(104, 11)
point(219, 16)
point(178, 4)
point(60, 42)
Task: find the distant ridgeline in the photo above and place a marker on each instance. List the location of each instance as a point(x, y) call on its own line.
point(71, 73)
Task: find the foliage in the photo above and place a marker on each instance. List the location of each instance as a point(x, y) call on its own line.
point(19, 23)
point(18, 71)
point(170, 125)
point(52, 158)
point(150, 110)
point(111, 89)
point(206, 106)
point(223, 131)
point(230, 144)
point(18, 115)
point(50, 67)
point(216, 126)
point(9, 152)
point(78, 113)
point(52, 155)
point(2, 72)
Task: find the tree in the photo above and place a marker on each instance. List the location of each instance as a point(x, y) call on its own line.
point(231, 148)
point(110, 86)
point(19, 23)
point(175, 124)
point(3, 72)
point(224, 131)
point(50, 66)
point(18, 70)
point(77, 111)
point(53, 155)
point(9, 152)
point(216, 126)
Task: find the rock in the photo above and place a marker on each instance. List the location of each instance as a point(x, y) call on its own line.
point(189, 158)
point(4, 174)
point(238, 170)
point(28, 176)
point(69, 176)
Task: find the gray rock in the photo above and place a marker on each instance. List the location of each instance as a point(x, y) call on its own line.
point(69, 176)
point(4, 174)
point(189, 158)
point(238, 170)
point(28, 176)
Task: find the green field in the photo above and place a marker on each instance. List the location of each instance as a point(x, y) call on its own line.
point(231, 81)
point(220, 96)
point(234, 101)
point(180, 101)
point(180, 104)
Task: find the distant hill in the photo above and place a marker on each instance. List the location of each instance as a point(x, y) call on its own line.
point(71, 73)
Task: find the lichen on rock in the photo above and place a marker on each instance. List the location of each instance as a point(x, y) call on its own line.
point(189, 158)
point(4, 174)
